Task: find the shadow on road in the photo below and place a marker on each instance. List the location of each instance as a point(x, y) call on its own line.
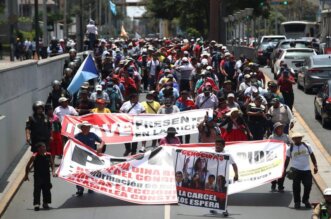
point(261, 199)
point(93, 200)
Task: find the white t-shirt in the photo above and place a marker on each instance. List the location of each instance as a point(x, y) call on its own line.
point(61, 112)
point(137, 109)
point(300, 156)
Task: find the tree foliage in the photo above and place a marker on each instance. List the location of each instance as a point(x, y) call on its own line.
point(194, 14)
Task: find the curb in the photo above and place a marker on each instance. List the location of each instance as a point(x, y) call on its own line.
point(15, 182)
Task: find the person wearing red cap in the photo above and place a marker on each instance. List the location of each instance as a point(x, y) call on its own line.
point(100, 107)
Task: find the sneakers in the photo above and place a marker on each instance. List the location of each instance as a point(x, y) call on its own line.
point(142, 150)
point(297, 205)
point(36, 208)
point(273, 188)
point(225, 213)
point(79, 193)
point(281, 190)
point(45, 206)
point(307, 205)
point(213, 212)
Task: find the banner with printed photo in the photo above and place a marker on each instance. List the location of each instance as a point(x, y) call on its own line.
point(143, 179)
point(259, 162)
point(202, 178)
point(122, 128)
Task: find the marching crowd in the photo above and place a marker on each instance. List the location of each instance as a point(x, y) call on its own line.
point(175, 75)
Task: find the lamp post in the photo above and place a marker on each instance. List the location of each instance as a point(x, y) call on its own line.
point(226, 20)
point(231, 20)
point(242, 22)
point(237, 26)
point(249, 13)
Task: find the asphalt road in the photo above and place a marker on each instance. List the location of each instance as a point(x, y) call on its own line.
point(304, 105)
point(257, 203)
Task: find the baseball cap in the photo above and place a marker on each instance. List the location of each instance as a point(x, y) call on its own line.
point(98, 87)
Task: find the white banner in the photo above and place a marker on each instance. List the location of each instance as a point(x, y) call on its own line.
point(149, 178)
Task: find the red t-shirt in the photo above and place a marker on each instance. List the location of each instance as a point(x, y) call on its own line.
point(286, 85)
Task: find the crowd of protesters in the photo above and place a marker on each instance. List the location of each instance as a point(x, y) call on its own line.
point(175, 75)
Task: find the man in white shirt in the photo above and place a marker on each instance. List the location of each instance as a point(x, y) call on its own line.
point(64, 109)
point(299, 153)
point(219, 148)
point(91, 32)
point(132, 107)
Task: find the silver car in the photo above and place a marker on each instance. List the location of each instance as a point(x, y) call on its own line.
point(314, 71)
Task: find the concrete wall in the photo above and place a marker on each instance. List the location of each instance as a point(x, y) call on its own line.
point(237, 50)
point(22, 83)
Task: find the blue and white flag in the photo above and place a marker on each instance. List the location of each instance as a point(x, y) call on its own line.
point(86, 71)
point(112, 8)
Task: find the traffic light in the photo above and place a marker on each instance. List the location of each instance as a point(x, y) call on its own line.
point(285, 2)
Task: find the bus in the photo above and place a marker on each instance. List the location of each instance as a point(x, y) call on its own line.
point(299, 29)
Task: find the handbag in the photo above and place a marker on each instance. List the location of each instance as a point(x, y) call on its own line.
point(291, 173)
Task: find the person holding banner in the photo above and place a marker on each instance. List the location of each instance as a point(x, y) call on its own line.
point(236, 127)
point(89, 139)
point(132, 107)
point(171, 138)
point(151, 107)
point(208, 130)
point(219, 148)
point(278, 134)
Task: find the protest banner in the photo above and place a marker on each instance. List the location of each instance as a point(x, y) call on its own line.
point(143, 179)
point(259, 162)
point(202, 178)
point(123, 128)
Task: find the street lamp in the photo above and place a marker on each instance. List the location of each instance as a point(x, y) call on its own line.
point(237, 17)
point(231, 20)
point(249, 13)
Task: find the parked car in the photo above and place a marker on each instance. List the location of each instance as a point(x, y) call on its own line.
point(322, 104)
point(314, 71)
point(262, 53)
point(286, 44)
point(271, 38)
point(293, 57)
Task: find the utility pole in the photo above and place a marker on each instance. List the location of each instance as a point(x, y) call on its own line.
point(45, 32)
point(65, 25)
point(36, 26)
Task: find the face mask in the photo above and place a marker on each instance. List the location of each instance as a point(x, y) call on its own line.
point(207, 93)
point(149, 100)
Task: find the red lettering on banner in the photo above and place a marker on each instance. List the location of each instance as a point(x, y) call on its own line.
point(202, 155)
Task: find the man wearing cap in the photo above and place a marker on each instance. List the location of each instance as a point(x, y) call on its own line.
point(83, 105)
point(89, 139)
point(153, 67)
point(170, 138)
point(299, 154)
point(245, 84)
point(285, 83)
point(278, 134)
point(272, 92)
point(219, 148)
point(231, 101)
point(323, 209)
point(281, 113)
point(151, 107)
point(64, 109)
point(207, 99)
point(185, 70)
point(132, 107)
point(101, 107)
point(99, 94)
point(256, 113)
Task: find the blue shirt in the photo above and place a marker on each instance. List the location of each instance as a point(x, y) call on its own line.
point(88, 139)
